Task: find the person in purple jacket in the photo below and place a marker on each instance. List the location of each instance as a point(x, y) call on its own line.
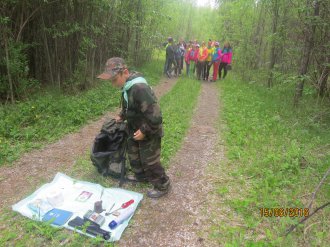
point(226, 57)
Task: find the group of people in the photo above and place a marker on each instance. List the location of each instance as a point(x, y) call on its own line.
point(198, 59)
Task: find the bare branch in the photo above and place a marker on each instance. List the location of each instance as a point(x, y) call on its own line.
point(306, 218)
point(317, 188)
point(27, 20)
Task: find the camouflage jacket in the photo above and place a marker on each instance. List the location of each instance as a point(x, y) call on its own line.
point(143, 111)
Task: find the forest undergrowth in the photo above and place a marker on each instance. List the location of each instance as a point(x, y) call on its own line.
point(277, 155)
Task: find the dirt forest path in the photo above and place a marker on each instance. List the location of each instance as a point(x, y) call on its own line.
point(181, 218)
point(40, 166)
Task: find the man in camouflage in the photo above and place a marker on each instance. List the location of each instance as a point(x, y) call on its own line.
point(144, 120)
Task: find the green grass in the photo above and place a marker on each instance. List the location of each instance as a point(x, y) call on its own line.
point(276, 157)
point(48, 116)
point(177, 107)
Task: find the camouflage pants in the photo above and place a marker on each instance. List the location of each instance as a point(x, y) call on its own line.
point(144, 157)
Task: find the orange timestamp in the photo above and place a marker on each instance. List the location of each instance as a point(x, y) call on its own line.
point(284, 212)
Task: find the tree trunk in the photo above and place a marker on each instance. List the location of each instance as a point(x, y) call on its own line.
point(281, 44)
point(138, 33)
point(93, 65)
point(56, 70)
point(47, 51)
point(308, 45)
point(11, 91)
point(323, 59)
point(323, 81)
point(190, 16)
point(273, 49)
point(258, 37)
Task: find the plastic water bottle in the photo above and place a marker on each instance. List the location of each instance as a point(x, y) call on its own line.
point(121, 218)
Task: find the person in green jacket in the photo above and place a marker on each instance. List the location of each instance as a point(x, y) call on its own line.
point(144, 119)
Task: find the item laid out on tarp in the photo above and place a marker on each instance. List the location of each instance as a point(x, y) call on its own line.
point(70, 203)
point(93, 229)
point(121, 218)
point(108, 152)
point(57, 216)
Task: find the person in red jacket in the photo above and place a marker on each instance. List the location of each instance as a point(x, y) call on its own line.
point(216, 56)
point(187, 58)
point(195, 57)
point(226, 57)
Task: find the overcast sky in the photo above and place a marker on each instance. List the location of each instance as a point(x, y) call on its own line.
point(205, 2)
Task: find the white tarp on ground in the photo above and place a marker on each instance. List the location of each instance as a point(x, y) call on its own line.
point(66, 193)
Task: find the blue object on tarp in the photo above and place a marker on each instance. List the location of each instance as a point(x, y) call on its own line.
point(57, 216)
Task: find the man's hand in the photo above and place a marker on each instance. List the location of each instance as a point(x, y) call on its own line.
point(118, 119)
point(138, 135)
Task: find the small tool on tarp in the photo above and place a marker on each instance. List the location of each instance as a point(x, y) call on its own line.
point(124, 205)
point(98, 204)
point(109, 211)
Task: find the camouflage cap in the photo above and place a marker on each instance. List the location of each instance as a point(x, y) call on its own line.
point(112, 67)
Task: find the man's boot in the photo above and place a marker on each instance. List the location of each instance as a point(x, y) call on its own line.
point(137, 178)
point(159, 190)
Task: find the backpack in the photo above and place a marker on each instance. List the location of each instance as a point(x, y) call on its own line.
point(192, 55)
point(108, 152)
point(177, 52)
